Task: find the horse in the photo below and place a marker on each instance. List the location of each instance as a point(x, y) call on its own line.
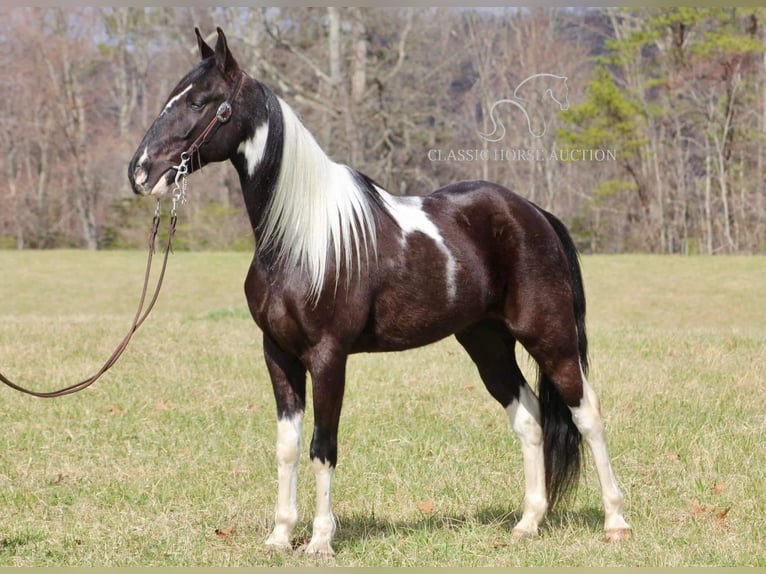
point(551, 85)
point(341, 267)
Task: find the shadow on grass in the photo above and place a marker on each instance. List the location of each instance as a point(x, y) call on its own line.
point(358, 527)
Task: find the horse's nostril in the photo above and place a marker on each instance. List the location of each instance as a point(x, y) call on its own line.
point(140, 176)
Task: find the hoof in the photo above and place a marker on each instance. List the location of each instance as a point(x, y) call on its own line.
point(617, 534)
point(319, 550)
point(275, 545)
point(524, 534)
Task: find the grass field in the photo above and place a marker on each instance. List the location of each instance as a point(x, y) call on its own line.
point(169, 459)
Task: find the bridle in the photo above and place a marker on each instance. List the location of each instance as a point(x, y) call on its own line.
point(223, 115)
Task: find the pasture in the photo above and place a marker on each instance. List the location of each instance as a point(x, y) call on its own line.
point(169, 459)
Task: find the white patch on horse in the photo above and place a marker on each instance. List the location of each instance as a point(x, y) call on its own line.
point(175, 98)
point(140, 174)
point(161, 187)
point(323, 527)
point(410, 216)
point(524, 414)
point(288, 453)
point(587, 418)
point(254, 148)
point(317, 210)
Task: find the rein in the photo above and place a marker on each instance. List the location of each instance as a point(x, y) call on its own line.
point(223, 114)
point(138, 319)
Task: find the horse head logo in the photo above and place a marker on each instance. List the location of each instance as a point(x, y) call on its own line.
point(541, 85)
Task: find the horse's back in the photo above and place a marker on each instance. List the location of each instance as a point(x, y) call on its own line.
point(520, 244)
point(502, 222)
point(481, 194)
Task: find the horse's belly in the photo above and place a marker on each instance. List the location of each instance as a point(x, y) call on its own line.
point(407, 326)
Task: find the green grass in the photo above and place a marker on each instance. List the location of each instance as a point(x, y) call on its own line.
point(169, 459)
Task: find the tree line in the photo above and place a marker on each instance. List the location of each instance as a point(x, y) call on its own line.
point(642, 128)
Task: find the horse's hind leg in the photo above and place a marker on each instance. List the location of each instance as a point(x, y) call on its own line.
point(562, 382)
point(587, 417)
point(491, 347)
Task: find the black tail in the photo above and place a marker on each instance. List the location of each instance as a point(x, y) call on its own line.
point(562, 444)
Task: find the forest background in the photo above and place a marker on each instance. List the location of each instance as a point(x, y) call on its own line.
point(658, 146)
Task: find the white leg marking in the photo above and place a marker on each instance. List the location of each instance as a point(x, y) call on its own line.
point(588, 421)
point(174, 99)
point(524, 415)
point(254, 148)
point(323, 528)
point(288, 455)
point(408, 213)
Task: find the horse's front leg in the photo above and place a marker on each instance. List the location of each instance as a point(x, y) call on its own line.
point(328, 372)
point(288, 377)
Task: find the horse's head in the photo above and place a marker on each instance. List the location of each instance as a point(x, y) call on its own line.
point(559, 92)
point(540, 85)
point(200, 122)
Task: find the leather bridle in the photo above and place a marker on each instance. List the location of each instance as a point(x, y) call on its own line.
point(222, 115)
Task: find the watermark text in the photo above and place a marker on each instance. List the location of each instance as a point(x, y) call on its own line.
point(534, 154)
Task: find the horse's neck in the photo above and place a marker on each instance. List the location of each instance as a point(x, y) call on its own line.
point(259, 159)
point(279, 159)
point(306, 210)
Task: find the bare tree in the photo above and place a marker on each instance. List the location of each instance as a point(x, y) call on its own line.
point(380, 88)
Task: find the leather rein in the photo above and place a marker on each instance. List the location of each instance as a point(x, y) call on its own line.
point(223, 115)
point(138, 319)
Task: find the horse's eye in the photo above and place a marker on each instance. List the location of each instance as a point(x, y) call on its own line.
point(196, 106)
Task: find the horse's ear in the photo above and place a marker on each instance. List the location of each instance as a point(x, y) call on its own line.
point(223, 58)
point(205, 51)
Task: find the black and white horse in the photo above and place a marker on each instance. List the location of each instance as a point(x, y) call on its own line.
point(343, 267)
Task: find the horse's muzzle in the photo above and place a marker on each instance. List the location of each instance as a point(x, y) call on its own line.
point(139, 175)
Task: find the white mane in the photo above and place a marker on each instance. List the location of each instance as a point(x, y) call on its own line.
point(316, 211)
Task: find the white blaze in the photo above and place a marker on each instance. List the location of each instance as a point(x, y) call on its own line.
point(174, 99)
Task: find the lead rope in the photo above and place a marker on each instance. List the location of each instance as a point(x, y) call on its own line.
point(179, 196)
point(222, 116)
